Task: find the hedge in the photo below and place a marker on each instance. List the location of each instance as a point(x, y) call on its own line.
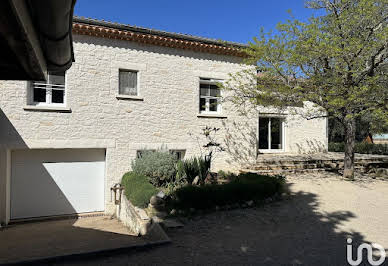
point(137, 189)
point(245, 187)
point(361, 147)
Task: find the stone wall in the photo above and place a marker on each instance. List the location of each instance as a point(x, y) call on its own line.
point(132, 217)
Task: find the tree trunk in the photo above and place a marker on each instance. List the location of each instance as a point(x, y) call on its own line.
point(350, 138)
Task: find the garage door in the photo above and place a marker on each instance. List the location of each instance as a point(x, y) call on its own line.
point(56, 182)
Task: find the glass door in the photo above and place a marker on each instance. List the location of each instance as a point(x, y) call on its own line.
point(271, 134)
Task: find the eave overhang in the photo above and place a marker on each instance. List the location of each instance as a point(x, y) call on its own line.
point(110, 30)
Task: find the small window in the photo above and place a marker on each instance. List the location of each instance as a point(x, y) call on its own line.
point(179, 154)
point(128, 82)
point(210, 96)
point(50, 92)
point(140, 153)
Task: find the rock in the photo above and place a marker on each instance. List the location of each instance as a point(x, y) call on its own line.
point(143, 215)
point(382, 172)
point(210, 178)
point(156, 201)
point(195, 181)
point(250, 203)
point(161, 195)
point(156, 219)
point(171, 223)
point(161, 214)
point(173, 212)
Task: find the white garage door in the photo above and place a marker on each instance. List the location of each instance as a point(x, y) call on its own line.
point(56, 182)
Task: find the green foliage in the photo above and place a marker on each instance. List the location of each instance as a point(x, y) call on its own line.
point(203, 167)
point(226, 175)
point(158, 166)
point(361, 147)
point(336, 64)
point(246, 187)
point(137, 189)
point(180, 170)
point(190, 169)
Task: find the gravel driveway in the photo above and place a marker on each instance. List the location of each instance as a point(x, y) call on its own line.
point(309, 227)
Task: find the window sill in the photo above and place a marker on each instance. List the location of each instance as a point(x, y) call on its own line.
point(129, 97)
point(47, 108)
point(273, 151)
point(212, 116)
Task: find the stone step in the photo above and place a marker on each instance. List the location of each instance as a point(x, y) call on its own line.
point(167, 222)
point(266, 172)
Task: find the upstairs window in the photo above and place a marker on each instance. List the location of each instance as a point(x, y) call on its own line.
point(128, 82)
point(210, 96)
point(50, 92)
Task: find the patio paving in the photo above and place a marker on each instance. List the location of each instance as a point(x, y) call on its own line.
point(60, 238)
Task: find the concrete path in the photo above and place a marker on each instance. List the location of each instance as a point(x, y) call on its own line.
point(48, 239)
point(310, 227)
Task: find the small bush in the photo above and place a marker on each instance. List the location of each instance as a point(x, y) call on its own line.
point(361, 147)
point(203, 168)
point(157, 166)
point(226, 175)
point(137, 189)
point(190, 169)
point(246, 187)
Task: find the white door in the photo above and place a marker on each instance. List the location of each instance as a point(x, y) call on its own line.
point(56, 182)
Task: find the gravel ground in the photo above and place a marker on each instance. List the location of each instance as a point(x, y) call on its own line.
point(309, 227)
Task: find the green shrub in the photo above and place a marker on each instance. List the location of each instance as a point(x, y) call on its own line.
point(158, 166)
point(336, 146)
point(190, 169)
point(361, 147)
point(246, 187)
point(226, 175)
point(203, 168)
point(137, 189)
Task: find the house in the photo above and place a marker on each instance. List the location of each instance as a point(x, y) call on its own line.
point(66, 141)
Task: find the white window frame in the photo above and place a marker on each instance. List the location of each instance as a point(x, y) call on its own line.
point(209, 81)
point(49, 89)
point(270, 150)
point(137, 83)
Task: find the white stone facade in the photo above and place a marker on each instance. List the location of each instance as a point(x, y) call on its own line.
point(165, 115)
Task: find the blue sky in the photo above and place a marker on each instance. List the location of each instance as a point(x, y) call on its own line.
point(229, 20)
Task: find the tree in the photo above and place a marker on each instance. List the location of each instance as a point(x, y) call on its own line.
point(336, 61)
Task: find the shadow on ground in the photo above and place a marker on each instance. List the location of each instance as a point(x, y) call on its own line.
point(289, 232)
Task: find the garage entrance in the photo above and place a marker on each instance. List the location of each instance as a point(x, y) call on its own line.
point(50, 182)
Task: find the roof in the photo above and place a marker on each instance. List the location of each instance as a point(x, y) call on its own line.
point(106, 29)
